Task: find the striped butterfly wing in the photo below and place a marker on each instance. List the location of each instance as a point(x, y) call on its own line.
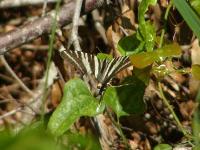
point(86, 63)
point(103, 70)
point(112, 68)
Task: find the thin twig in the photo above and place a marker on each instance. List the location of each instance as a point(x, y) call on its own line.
point(44, 7)
point(98, 25)
point(9, 69)
point(6, 101)
point(34, 47)
point(12, 112)
point(74, 34)
point(19, 3)
point(33, 106)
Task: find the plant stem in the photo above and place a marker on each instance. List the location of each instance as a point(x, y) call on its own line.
point(172, 111)
point(165, 19)
point(50, 51)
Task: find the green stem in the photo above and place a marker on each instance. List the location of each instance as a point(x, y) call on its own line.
point(167, 11)
point(117, 125)
point(172, 111)
point(165, 19)
point(50, 52)
point(161, 38)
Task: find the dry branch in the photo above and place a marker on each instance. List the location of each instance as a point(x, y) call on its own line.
point(75, 23)
point(9, 69)
point(18, 3)
point(36, 28)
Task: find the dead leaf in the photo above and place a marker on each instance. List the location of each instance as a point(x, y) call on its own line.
point(56, 94)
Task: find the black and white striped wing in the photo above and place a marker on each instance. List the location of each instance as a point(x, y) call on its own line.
point(111, 68)
point(103, 70)
point(86, 63)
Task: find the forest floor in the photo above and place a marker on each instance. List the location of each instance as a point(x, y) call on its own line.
point(100, 31)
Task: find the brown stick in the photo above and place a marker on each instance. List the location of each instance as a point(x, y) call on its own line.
point(36, 28)
point(19, 3)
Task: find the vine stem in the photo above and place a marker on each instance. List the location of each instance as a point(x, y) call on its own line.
point(172, 112)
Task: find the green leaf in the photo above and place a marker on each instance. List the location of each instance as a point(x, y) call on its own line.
point(196, 5)
point(143, 7)
point(196, 147)
point(146, 29)
point(131, 95)
point(104, 56)
point(169, 51)
point(145, 36)
point(31, 138)
point(80, 141)
point(6, 139)
point(196, 71)
point(129, 45)
point(145, 59)
point(149, 36)
point(163, 147)
point(77, 101)
point(189, 16)
point(112, 100)
point(143, 74)
point(127, 98)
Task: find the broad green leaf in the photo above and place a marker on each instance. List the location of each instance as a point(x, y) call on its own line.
point(149, 36)
point(131, 95)
point(77, 101)
point(196, 71)
point(189, 16)
point(127, 98)
point(169, 50)
point(6, 139)
point(82, 142)
point(33, 142)
point(143, 74)
point(145, 36)
point(29, 139)
point(129, 45)
point(104, 56)
point(143, 7)
point(196, 147)
point(111, 99)
point(163, 147)
point(145, 59)
point(146, 29)
point(196, 5)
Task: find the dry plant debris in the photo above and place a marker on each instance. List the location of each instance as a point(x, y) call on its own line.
point(152, 107)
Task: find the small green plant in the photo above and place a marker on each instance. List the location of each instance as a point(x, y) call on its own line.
point(147, 52)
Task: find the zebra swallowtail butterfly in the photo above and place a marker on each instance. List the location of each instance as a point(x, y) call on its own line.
point(102, 70)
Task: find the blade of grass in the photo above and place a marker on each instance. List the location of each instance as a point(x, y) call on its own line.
point(50, 51)
point(189, 16)
point(196, 122)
